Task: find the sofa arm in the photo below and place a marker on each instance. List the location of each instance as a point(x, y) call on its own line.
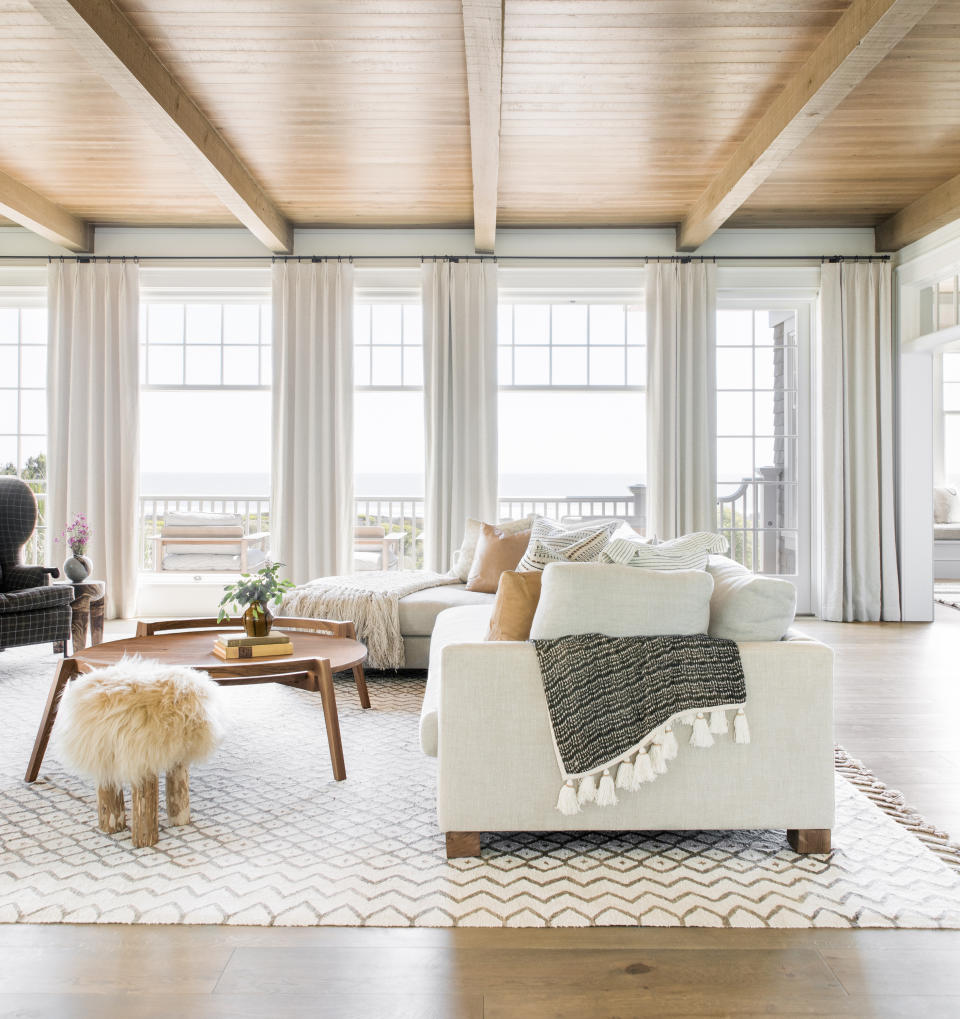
point(19, 578)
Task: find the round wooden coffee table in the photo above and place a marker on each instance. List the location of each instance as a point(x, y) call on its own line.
point(320, 648)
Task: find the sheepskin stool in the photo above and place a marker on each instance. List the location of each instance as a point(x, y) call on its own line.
point(131, 721)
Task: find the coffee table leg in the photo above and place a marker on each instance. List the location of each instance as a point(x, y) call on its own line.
point(66, 670)
point(361, 680)
point(324, 678)
point(96, 620)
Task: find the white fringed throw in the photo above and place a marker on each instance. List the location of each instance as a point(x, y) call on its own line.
point(616, 702)
point(371, 601)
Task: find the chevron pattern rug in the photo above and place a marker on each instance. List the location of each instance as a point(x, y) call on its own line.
point(275, 841)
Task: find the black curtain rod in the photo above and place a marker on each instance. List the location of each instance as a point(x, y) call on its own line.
point(451, 258)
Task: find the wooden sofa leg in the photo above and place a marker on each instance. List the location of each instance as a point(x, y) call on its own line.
point(809, 840)
point(462, 843)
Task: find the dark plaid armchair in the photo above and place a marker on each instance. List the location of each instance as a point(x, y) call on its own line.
point(32, 611)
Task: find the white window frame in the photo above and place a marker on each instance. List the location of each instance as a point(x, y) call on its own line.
point(389, 286)
point(22, 297)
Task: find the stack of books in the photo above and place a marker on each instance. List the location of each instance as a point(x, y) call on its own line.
point(228, 646)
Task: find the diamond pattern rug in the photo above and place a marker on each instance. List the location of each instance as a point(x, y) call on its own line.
point(275, 840)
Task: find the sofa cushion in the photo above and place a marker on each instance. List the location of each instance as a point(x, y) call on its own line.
point(688, 552)
point(419, 611)
point(496, 553)
point(552, 543)
point(946, 505)
point(463, 556)
point(946, 532)
point(204, 520)
point(621, 601)
point(517, 597)
point(746, 606)
point(36, 599)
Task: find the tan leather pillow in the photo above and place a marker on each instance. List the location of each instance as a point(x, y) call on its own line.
point(496, 552)
point(517, 598)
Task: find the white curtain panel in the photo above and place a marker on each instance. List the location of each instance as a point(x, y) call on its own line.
point(312, 510)
point(460, 401)
point(681, 398)
point(858, 570)
point(93, 417)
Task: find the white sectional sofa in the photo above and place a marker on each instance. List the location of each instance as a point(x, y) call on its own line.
point(485, 717)
point(419, 612)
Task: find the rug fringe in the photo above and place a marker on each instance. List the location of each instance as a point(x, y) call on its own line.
point(892, 803)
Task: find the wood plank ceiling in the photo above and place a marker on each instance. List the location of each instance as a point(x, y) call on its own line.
point(358, 112)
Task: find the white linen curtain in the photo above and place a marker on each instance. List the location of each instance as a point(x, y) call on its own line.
point(93, 417)
point(312, 510)
point(681, 303)
point(859, 577)
point(460, 401)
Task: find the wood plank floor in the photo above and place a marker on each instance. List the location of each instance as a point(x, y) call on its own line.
point(898, 704)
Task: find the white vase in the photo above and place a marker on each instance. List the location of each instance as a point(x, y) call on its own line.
point(77, 568)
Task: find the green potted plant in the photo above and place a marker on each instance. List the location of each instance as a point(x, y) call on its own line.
point(252, 595)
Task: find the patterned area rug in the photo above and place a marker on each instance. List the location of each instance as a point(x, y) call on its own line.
point(276, 841)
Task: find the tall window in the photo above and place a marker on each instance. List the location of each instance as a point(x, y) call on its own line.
point(205, 397)
point(23, 397)
point(758, 429)
point(389, 443)
point(951, 417)
point(572, 375)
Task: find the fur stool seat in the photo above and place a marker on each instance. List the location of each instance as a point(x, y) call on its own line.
point(128, 723)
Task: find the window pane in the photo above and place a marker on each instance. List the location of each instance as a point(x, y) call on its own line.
point(734, 327)
point(779, 505)
point(361, 366)
point(505, 366)
point(505, 323)
point(607, 366)
point(569, 366)
point(763, 331)
point(165, 323)
point(386, 366)
point(531, 366)
point(946, 312)
point(8, 451)
point(203, 324)
point(33, 411)
point(607, 323)
point(734, 369)
point(33, 325)
point(951, 367)
point(636, 324)
point(266, 376)
point(9, 325)
point(734, 414)
point(951, 396)
point(361, 323)
point(385, 320)
point(734, 459)
point(531, 323)
point(776, 366)
point(240, 366)
point(952, 447)
point(9, 367)
point(203, 366)
point(637, 366)
point(569, 323)
point(412, 324)
point(412, 366)
point(8, 412)
point(266, 323)
point(389, 461)
point(241, 323)
point(164, 366)
point(33, 367)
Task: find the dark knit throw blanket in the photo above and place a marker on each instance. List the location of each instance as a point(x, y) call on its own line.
point(611, 696)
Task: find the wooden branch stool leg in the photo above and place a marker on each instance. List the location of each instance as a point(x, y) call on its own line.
point(144, 812)
point(111, 812)
point(178, 795)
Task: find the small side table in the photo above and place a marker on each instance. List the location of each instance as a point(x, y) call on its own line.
point(89, 598)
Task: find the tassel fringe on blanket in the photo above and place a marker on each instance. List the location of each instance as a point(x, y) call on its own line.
point(647, 762)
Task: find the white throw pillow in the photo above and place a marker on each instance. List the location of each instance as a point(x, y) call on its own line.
point(621, 601)
point(463, 556)
point(553, 543)
point(946, 506)
point(746, 606)
point(688, 552)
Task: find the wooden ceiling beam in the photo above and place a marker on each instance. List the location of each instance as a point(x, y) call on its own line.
point(483, 39)
point(109, 42)
point(28, 208)
point(866, 32)
point(929, 212)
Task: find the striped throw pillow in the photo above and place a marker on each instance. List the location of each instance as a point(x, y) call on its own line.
point(550, 543)
point(688, 552)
